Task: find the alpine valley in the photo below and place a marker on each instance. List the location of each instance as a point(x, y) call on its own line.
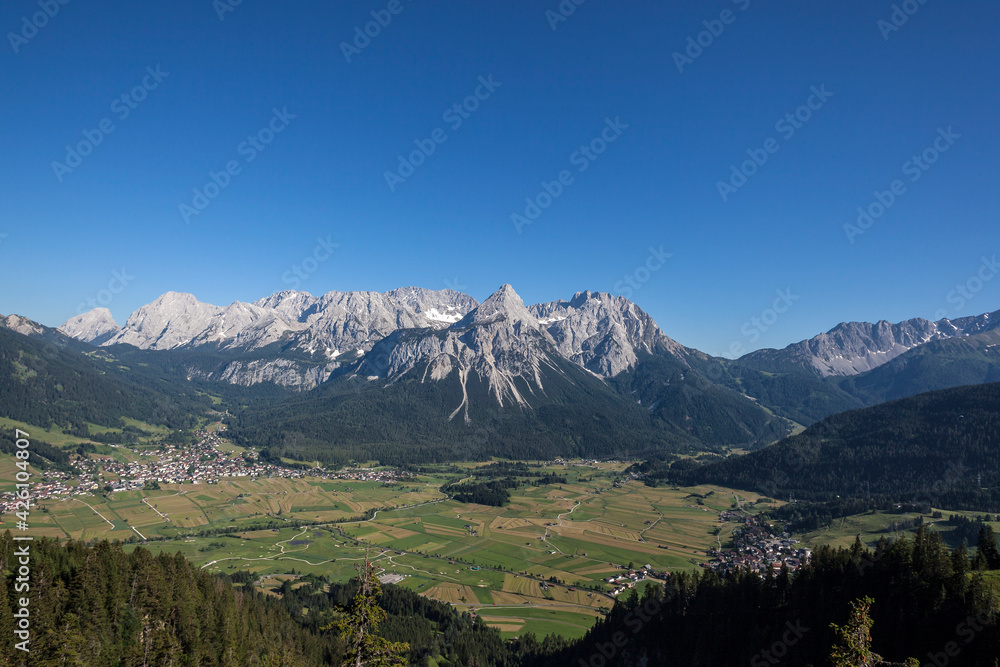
point(417, 375)
point(530, 483)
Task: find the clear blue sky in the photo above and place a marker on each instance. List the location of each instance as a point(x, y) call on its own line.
point(449, 223)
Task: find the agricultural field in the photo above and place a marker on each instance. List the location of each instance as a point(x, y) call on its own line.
point(540, 560)
point(874, 525)
point(57, 437)
point(178, 510)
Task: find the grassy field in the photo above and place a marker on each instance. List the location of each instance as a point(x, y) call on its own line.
point(55, 436)
point(487, 559)
point(871, 526)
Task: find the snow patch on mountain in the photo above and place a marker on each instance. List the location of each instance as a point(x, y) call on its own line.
point(851, 348)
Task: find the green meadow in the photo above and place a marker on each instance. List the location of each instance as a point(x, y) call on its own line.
point(492, 560)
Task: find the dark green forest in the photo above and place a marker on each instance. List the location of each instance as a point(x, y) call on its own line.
point(432, 629)
point(98, 605)
point(495, 493)
point(928, 605)
point(46, 384)
point(353, 419)
point(43, 455)
point(940, 449)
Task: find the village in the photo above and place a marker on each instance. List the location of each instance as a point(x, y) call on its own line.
point(201, 463)
point(757, 548)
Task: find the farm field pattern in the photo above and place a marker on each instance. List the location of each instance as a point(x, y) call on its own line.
point(577, 533)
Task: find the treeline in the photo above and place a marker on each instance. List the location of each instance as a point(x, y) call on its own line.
point(809, 516)
point(967, 531)
point(127, 435)
point(928, 605)
point(520, 470)
point(98, 606)
point(434, 630)
point(42, 455)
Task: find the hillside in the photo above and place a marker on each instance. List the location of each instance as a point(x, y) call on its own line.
point(99, 606)
point(941, 364)
point(133, 608)
point(925, 602)
point(407, 421)
point(46, 380)
point(860, 364)
point(941, 448)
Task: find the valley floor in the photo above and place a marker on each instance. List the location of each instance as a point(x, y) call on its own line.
point(545, 559)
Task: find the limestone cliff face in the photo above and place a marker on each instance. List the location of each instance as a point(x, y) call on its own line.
point(499, 342)
point(851, 348)
point(95, 326)
point(603, 333)
point(331, 330)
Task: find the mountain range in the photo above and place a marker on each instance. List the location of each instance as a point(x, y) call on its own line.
point(435, 371)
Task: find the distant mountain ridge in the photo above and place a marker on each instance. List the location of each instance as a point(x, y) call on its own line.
point(851, 348)
point(315, 337)
point(96, 326)
point(589, 374)
point(600, 332)
point(298, 341)
point(332, 322)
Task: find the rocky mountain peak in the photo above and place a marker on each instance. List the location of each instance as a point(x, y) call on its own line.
point(439, 306)
point(289, 304)
point(504, 304)
point(22, 325)
point(603, 333)
point(851, 348)
point(94, 326)
point(172, 320)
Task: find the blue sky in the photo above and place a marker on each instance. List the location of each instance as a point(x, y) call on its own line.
point(649, 187)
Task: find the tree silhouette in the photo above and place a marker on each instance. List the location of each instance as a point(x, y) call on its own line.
point(854, 640)
point(358, 627)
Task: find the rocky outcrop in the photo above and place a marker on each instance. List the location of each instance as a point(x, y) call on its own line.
point(443, 307)
point(500, 343)
point(603, 333)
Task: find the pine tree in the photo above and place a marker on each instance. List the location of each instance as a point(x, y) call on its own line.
point(358, 628)
point(854, 640)
point(988, 548)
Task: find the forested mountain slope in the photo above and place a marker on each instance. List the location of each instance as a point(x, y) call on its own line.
point(940, 447)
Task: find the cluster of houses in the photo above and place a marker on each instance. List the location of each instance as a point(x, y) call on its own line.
point(758, 548)
point(623, 582)
point(203, 462)
point(50, 484)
